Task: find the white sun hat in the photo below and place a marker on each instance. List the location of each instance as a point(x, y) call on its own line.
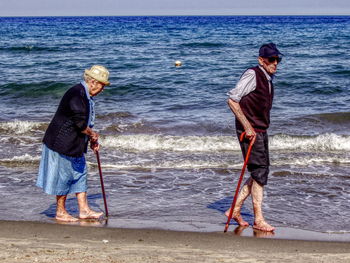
point(100, 73)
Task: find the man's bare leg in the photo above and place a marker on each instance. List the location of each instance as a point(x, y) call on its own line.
point(85, 211)
point(242, 196)
point(61, 212)
point(257, 196)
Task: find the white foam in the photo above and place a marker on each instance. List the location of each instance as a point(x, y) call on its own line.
point(22, 158)
point(306, 161)
point(144, 143)
point(323, 142)
point(171, 143)
point(20, 127)
point(188, 164)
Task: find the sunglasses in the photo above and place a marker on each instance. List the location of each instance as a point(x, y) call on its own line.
point(273, 59)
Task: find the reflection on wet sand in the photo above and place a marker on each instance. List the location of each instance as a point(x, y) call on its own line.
point(254, 232)
point(85, 222)
point(238, 230)
point(262, 234)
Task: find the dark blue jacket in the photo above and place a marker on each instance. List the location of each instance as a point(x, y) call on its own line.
point(64, 134)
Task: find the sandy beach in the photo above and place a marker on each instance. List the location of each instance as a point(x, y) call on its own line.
point(46, 242)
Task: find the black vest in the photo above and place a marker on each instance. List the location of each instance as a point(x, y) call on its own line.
point(256, 105)
point(64, 134)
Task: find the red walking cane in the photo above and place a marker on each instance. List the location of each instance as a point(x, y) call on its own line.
point(240, 179)
point(101, 179)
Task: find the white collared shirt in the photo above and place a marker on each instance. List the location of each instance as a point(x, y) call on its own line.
point(91, 121)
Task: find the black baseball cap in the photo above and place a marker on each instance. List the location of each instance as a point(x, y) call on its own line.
point(269, 50)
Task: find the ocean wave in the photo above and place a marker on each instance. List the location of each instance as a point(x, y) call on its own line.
point(203, 45)
point(143, 163)
point(130, 88)
point(171, 143)
point(201, 152)
point(30, 48)
point(144, 143)
point(322, 143)
point(129, 66)
point(18, 127)
point(33, 90)
point(25, 159)
point(328, 90)
point(311, 160)
point(341, 72)
point(174, 164)
point(112, 124)
point(115, 115)
point(336, 117)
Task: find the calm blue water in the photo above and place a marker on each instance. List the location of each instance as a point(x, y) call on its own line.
point(169, 152)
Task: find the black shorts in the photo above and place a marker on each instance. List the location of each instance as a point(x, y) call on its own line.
point(259, 160)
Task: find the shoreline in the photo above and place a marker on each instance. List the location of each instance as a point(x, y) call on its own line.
point(24, 241)
point(281, 232)
point(288, 233)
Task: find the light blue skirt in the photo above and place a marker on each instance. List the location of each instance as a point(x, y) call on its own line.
point(60, 174)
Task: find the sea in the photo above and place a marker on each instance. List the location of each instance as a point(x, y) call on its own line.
point(169, 154)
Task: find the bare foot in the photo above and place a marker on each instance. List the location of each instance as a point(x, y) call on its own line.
point(65, 217)
point(237, 217)
point(90, 214)
point(263, 226)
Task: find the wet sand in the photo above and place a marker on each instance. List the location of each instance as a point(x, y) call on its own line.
point(46, 242)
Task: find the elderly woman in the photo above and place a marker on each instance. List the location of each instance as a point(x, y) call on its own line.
point(63, 168)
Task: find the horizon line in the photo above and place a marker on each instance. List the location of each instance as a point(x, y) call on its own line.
point(194, 15)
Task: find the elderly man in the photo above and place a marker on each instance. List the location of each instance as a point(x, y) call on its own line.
point(251, 102)
point(63, 168)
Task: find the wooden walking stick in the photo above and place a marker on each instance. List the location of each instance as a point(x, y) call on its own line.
point(102, 184)
point(240, 179)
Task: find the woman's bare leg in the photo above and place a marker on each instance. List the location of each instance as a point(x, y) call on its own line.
point(85, 212)
point(61, 212)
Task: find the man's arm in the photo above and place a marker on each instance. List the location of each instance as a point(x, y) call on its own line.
point(245, 85)
point(237, 111)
